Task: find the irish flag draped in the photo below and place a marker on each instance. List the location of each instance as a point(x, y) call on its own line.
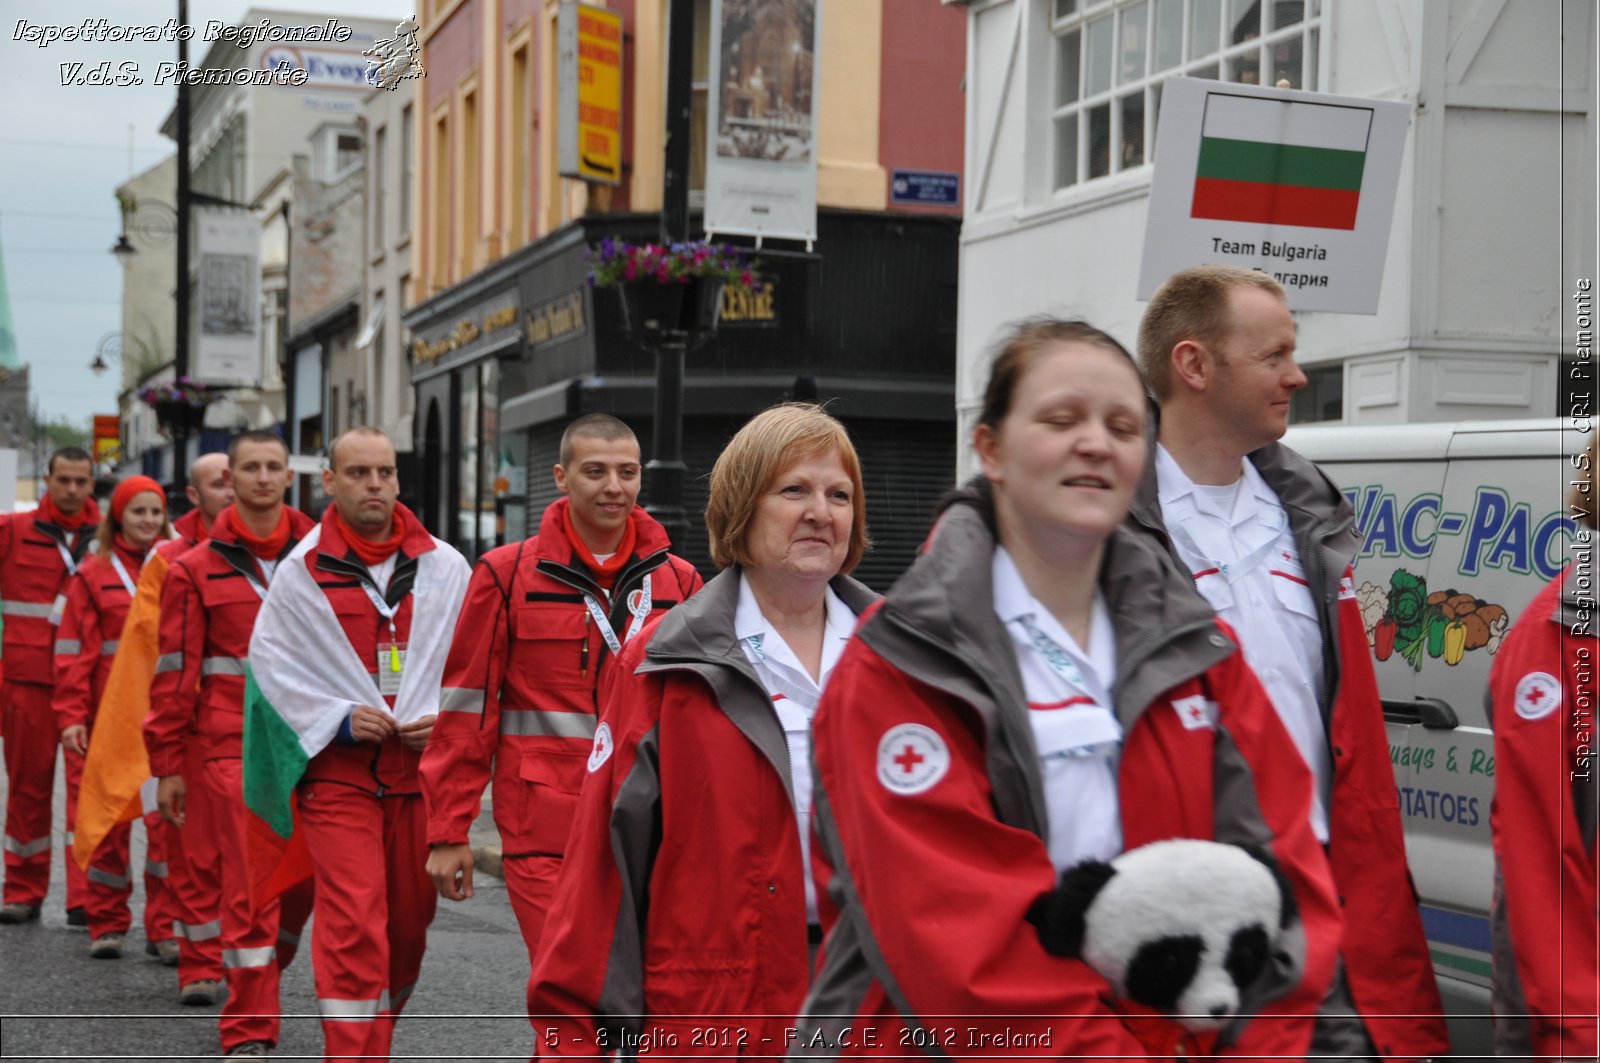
point(304, 678)
point(1281, 162)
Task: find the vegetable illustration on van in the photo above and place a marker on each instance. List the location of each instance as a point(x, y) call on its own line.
point(1407, 620)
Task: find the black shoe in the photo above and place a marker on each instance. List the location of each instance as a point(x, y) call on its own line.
point(17, 912)
point(250, 1050)
point(77, 919)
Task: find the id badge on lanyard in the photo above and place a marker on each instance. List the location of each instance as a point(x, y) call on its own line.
point(639, 610)
point(58, 608)
point(391, 655)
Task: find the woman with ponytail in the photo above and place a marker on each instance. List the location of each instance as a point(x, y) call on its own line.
point(98, 598)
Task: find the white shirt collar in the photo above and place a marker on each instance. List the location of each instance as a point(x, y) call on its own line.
point(748, 620)
point(1173, 485)
point(1013, 601)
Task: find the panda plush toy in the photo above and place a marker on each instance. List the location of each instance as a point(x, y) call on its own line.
point(1181, 927)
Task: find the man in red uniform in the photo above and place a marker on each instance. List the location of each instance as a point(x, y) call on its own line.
point(348, 654)
point(1270, 542)
point(38, 551)
point(193, 860)
point(542, 623)
point(208, 610)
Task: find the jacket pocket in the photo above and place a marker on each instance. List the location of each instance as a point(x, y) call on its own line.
point(550, 641)
point(549, 783)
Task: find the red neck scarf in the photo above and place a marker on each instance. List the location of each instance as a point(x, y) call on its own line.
point(267, 549)
point(605, 574)
point(132, 556)
point(372, 553)
point(89, 514)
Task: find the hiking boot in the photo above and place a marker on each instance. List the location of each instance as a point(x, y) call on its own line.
point(77, 919)
point(200, 993)
point(106, 947)
point(17, 912)
point(250, 1049)
point(166, 951)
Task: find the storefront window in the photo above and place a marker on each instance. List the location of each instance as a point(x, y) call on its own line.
point(511, 487)
point(489, 451)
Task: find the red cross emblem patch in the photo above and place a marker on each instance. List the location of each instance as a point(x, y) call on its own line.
point(1196, 712)
point(911, 759)
point(1538, 695)
point(602, 747)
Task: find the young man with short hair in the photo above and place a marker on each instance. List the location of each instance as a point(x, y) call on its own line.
point(542, 624)
point(209, 604)
point(1270, 542)
point(39, 551)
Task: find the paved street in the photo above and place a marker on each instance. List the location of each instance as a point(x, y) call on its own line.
point(56, 1003)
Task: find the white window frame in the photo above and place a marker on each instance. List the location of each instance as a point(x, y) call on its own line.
point(1222, 61)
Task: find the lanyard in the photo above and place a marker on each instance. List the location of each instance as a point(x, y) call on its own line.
point(1056, 657)
point(1231, 571)
point(387, 611)
point(66, 556)
point(122, 573)
point(639, 613)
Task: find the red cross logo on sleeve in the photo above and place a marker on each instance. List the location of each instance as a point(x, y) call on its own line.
point(1538, 695)
point(912, 758)
point(908, 759)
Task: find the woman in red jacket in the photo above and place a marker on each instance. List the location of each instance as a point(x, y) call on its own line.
point(98, 598)
point(684, 920)
point(1546, 807)
point(1041, 688)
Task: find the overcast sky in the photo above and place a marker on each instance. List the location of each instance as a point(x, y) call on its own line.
point(63, 151)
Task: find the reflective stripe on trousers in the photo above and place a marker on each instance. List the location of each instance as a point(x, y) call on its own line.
point(260, 956)
point(66, 647)
point(155, 868)
point(352, 1010)
point(530, 723)
point(222, 666)
point(461, 699)
point(42, 610)
point(198, 932)
point(106, 878)
point(109, 647)
point(27, 849)
point(169, 662)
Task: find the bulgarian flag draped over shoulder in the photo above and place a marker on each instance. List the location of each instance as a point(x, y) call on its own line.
point(304, 678)
point(1281, 162)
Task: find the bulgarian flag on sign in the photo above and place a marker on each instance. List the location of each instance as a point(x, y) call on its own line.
point(1280, 162)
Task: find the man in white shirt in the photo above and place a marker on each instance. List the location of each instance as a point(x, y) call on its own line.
point(1270, 542)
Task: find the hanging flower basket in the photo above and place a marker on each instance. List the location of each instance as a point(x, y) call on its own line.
point(180, 403)
point(671, 289)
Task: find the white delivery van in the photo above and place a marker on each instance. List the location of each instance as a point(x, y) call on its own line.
point(1464, 523)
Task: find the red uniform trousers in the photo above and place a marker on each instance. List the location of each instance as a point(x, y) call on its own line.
point(31, 738)
point(256, 944)
point(160, 907)
point(531, 884)
point(110, 884)
point(371, 926)
point(195, 874)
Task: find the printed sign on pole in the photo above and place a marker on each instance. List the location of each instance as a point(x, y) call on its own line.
point(761, 151)
point(1300, 185)
point(228, 348)
point(589, 67)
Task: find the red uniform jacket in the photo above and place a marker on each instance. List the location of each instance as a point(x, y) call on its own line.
point(97, 605)
point(931, 877)
point(1386, 957)
point(680, 915)
point(346, 580)
point(521, 683)
point(188, 528)
point(1546, 938)
point(32, 573)
point(208, 609)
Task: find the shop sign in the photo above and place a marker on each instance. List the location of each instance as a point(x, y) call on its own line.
point(457, 341)
point(742, 307)
point(556, 320)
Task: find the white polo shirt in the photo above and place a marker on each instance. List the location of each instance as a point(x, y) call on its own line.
point(1070, 712)
point(794, 696)
point(1237, 542)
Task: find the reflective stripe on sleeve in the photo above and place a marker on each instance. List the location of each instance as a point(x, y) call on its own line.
point(197, 932)
point(286, 938)
point(528, 723)
point(257, 957)
point(352, 1010)
point(461, 699)
point(398, 997)
point(169, 662)
point(222, 666)
point(27, 849)
point(155, 868)
point(106, 878)
point(41, 610)
point(65, 647)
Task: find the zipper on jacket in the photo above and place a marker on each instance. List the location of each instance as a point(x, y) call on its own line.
point(1330, 631)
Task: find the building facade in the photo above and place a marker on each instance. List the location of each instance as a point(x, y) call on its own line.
point(1495, 217)
point(509, 342)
